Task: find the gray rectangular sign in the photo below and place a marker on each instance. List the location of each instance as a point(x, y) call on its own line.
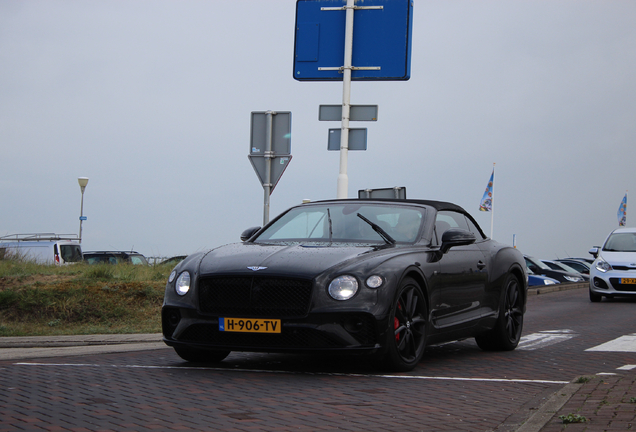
point(357, 139)
point(356, 113)
point(281, 132)
point(392, 193)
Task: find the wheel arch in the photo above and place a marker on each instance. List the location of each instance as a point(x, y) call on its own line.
point(415, 274)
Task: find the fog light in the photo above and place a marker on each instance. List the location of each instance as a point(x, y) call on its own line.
point(353, 325)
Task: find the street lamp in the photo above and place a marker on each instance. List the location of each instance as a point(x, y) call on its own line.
point(83, 181)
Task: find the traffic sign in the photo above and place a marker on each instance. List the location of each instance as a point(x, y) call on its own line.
point(280, 134)
point(356, 113)
point(398, 192)
point(382, 37)
point(270, 150)
point(357, 139)
point(278, 167)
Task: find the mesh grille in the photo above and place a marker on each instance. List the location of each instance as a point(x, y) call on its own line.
point(365, 332)
point(255, 297)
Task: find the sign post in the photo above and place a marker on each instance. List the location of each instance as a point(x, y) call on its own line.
point(383, 47)
point(270, 150)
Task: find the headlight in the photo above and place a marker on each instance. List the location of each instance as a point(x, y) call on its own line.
point(572, 278)
point(602, 266)
point(343, 287)
point(548, 282)
point(374, 281)
point(183, 283)
point(172, 276)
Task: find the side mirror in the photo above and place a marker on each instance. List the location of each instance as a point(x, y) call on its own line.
point(248, 233)
point(594, 251)
point(456, 237)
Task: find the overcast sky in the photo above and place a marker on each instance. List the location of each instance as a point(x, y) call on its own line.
point(151, 101)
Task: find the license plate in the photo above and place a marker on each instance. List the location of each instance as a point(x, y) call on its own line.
point(249, 325)
point(628, 281)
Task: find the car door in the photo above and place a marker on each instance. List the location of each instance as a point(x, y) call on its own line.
point(462, 278)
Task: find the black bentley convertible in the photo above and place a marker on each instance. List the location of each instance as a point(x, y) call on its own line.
point(379, 277)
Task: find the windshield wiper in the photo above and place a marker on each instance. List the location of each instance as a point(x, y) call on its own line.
point(386, 237)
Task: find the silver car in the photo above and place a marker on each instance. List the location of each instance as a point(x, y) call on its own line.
point(614, 270)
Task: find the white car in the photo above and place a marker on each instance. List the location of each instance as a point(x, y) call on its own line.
point(613, 272)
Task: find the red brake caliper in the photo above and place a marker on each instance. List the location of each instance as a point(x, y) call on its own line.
point(396, 323)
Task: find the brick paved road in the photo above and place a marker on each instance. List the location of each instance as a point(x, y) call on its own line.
point(456, 388)
point(103, 394)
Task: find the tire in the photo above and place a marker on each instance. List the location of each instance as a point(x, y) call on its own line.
point(200, 356)
point(506, 334)
point(595, 298)
point(406, 335)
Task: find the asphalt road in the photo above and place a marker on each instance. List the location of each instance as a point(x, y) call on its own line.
point(457, 387)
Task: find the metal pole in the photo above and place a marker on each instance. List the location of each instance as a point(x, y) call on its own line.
point(83, 181)
point(343, 178)
point(81, 215)
point(269, 154)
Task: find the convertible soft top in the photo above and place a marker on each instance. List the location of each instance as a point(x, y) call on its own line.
point(438, 205)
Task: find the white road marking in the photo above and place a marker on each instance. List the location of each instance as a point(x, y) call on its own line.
point(627, 367)
point(297, 373)
point(622, 344)
point(543, 339)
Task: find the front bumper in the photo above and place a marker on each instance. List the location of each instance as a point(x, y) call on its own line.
point(336, 332)
point(610, 283)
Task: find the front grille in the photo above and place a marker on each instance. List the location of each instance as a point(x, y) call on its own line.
point(618, 286)
point(255, 297)
point(623, 268)
point(293, 338)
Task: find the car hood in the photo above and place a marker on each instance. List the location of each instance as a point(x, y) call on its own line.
point(289, 260)
point(627, 259)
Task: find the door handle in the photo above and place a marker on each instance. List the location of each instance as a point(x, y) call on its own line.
point(481, 265)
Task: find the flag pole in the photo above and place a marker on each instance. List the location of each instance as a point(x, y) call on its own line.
point(492, 212)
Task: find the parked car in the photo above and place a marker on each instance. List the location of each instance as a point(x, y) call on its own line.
point(538, 267)
point(538, 280)
point(614, 270)
point(383, 278)
point(577, 264)
point(587, 260)
point(172, 261)
point(114, 257)
point(45, 248)
point(556, 265)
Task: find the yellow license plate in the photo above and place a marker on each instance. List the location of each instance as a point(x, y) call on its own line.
point(628, 280)
point(249, 325)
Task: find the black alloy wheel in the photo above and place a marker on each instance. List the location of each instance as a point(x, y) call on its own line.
point(506, 334)
point(407, 328)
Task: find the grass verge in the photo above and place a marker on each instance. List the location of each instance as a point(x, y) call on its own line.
point(40, 300)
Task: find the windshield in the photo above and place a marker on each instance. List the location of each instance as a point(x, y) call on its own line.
point(71, 253)
point(345, 223)
point(540, 264)
point(621, 242)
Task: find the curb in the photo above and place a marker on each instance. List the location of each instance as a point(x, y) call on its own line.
point(77, 340)
point(549, 409)
point(557, 287)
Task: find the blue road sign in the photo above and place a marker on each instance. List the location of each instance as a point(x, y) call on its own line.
point(83, 218)
point(381, 39)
